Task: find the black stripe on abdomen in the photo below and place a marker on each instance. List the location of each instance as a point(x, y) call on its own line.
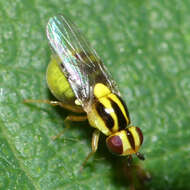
point(108, 120)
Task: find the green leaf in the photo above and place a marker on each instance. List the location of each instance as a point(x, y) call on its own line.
point(145, 45)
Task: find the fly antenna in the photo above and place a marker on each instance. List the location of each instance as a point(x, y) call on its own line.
point(140, 156)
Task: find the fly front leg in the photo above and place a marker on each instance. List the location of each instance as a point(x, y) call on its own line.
point(94, 145)
point(57, 103)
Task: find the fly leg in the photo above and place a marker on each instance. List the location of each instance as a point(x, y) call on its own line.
point(65, 106)
point(94, 145)
point(76, 118)
point(70, 118)
point(57, 103)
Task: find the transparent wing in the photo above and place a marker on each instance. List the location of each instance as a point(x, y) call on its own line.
point(79, 62)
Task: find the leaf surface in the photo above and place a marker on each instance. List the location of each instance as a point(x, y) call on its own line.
point(145, 45)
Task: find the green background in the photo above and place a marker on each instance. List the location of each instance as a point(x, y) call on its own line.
point(145, 45)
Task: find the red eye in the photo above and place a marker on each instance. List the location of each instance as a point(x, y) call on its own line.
point(140, 135)
point(114, 144)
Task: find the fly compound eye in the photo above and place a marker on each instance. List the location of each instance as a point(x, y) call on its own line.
point(115, 144)
point(133, 140)
point(125, 142)
point(140, 134)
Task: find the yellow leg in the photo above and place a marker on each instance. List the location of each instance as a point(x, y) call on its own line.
point(76, 118)
point(57, 103)
point(95, 139)
point(70, 118)
point(59, 134)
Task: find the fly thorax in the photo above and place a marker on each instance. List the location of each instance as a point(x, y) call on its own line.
point(109, 114)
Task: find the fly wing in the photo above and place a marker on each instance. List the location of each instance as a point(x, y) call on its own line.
point(79, 62)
